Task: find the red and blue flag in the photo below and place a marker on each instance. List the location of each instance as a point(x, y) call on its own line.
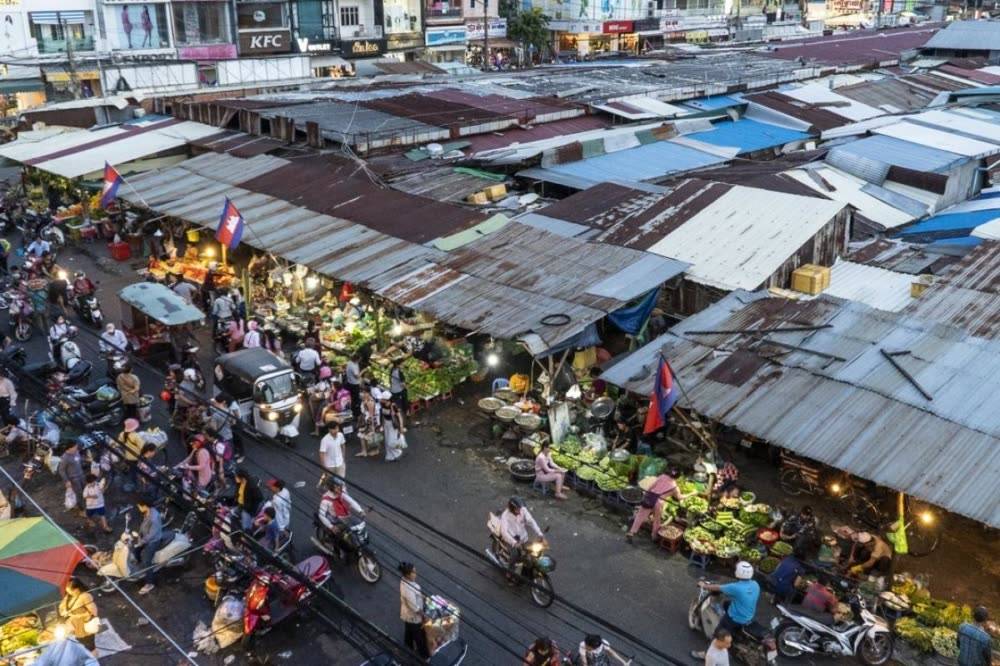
point(112, 181)
point(231, 225)
point(665, 394)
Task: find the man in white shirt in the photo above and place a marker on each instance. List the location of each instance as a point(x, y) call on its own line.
point(8, 396)
point(39, 247)
point(281, 502)
point(717, 653)
point(308, 359)
point(113, 340)
point(331, 451)
point(515, 523)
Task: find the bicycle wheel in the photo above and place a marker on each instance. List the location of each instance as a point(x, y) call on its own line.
point(924, 533)
point(791, 482)
point(866, 511)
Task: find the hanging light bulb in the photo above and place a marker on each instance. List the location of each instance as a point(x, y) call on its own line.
point(397, 330)
point(493, 359)
point(312, 282)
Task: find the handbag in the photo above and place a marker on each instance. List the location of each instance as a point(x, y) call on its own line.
point(92, 626)
point(70, 500)
point(649, 500)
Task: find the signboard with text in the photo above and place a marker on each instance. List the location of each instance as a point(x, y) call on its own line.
point(265, 41)
point(474, 31)
point(618, 27)
point(442, 36)
point(362, 48)
point(316, 46)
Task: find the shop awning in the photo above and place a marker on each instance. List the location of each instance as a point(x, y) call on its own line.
point(831, 395)
point(73, 154)
point(11, 86)
point(60, 75)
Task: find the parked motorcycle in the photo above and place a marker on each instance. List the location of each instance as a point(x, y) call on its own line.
point(535, 565)
point(274, 596)
point(174, 552)
point(752, 646)
point(99, 408)
point(867, 637)
point(351, 543)
point(20, 316)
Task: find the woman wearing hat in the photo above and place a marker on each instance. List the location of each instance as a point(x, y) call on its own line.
point(869, 553)
point(370, 423)
point(393, 426)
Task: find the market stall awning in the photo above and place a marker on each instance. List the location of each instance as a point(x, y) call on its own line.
point(160, 303)
point(36, 560)
point(830, 394)
point(73, 154)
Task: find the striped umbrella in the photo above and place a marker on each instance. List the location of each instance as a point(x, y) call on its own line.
point(36, 560)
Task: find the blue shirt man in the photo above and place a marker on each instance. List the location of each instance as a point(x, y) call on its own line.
point(783, 577)
point(743, 595)
point(973, 641)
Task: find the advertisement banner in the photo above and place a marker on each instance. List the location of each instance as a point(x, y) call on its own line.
point(12, 35)
point(265, 41)
point(138, 26)
point(316, 46)
point(260, 15)
point(362, 48)
point(442, 36)
point(617, 27)
point(207, 52)
point(474, 31)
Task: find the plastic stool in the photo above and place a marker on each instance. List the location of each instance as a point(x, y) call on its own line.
point(699, 560)
point(669, 545)
point(500, 383)
point(543, 487)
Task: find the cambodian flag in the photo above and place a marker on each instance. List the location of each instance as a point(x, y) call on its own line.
point(230, 226)
point(663, 397)
point(112, 181)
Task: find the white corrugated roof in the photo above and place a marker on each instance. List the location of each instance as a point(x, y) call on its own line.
point(950, 121)
point(74, 154)
point(740, 239)
point(939, 139)
point(988, 231)
point(842, 106)
point(875, 287)
point(848, 189)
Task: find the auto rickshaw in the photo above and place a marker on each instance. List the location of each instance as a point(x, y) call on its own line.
point(150, 311)
point(266, 389)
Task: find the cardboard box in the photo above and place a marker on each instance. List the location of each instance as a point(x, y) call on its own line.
point(920, 285)
point(496, 192)
point(478, 198)
point(811, 279)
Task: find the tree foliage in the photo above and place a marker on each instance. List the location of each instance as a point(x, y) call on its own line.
point(530, 28)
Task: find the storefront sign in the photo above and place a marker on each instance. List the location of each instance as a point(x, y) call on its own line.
point(265, 41)
point(474, 31)
point(441, 36)
point(362, 48)
point(411, 40)
point(261, 15)
point(648, 25)
point(575, 27)
point(617, 27)
point(207, 52)
point(314, 46)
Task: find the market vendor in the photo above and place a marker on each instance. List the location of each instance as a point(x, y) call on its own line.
point(662, 489)
point(80, 611)
point(800, 530)
point(869, 553)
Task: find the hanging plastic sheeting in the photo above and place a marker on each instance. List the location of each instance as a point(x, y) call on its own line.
point(588, 337)
point(632, 318)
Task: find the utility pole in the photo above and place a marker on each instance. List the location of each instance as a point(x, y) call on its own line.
point(74, 86)
point(486, 35)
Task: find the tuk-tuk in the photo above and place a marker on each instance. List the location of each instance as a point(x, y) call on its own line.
point(149, 311)
point(266, 388)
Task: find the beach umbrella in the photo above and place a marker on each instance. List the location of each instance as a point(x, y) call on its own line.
point(36, 560)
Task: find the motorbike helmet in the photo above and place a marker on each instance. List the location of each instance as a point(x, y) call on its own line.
point(190, 375)
point(744, 570)
point(515, 504)
point(334, 483)
point(79, 275)
point(107, 393)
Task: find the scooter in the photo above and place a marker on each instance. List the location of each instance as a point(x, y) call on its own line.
point(867, 638)
point(174, 553)
point(535, 565)
point(20, 316)
point(274, 596)
point(753, 646)
point(74, 406)
point(88, 308)
point(351, 543)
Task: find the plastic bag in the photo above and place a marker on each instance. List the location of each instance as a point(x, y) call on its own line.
point(652, 466)
point(227, 624)
point(70, 500)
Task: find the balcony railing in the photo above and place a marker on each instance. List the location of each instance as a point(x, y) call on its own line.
point(59, 45)
point(349, 32)
point(444, 10)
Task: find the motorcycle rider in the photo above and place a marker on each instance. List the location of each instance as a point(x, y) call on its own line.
point(515, 522)
point(223, 309)
point(113, 340)
point(335, 506)
point(150, 541)
point(595, 651)
point(742, 594)
point(543, 652)
point(58, 332)
point(82, 285)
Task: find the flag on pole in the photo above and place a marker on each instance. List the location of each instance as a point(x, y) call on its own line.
point(112, 181)
point(230, 226)
point(663, 397)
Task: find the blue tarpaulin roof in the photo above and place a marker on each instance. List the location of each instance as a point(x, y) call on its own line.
point(748, 135)
point(713, 102)
point(947, 225)
point(890, 150)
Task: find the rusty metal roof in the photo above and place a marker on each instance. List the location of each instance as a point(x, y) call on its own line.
point(239, 144)
point(830, 394)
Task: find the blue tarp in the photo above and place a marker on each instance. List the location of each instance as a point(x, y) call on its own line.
point(588, 337)
point(947, 225)
point(748, 135)
point(631, 319)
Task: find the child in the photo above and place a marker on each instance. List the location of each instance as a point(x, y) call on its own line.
point(93, 497)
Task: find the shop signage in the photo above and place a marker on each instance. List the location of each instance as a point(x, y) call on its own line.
point(406, 41)
point(207, 52)
point(648, 25)
point(306, 45)
point(362, 48)
point(441, 36)
point(474, 31)
point(617, 27)
point(575, 27)
point(261, 15)
point(265, 41)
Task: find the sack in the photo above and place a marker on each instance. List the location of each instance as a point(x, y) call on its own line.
point(70, 500)
point(92, 626)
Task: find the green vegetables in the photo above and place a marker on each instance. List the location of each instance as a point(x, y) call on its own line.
point(935, 613)
point(782, 549)
point(754, 518)
point(751, 555)
point(695, 505)
point(917, 635)
point(570, 445)
point(768, 565)
point(565, 461)
point(945, 642)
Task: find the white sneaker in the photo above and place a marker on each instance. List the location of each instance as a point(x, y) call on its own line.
point(146, 589)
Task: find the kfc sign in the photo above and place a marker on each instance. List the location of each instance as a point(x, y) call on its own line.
point(265, 41)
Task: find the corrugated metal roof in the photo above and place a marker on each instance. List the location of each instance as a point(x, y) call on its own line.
point(740, 239)
point(848, 189)
point(648, 162)
point(875, 287)
point(952, 142)
point(555, 226)
point(713, 102)
point(967, 36)
point(517, 135)
point(830, 100)
point(855, 48)
point(860, 415)
point(892, 95)
point(354, 123)
point(897, 152)
point(947, 225)
point(748, 135)
point(74, 154)
point(960, 123)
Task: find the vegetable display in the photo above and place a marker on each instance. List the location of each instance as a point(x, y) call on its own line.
point(424, 381)
point(695, 505)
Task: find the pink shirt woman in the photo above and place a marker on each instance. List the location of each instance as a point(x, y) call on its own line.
point(202, 465)
point(547, 471)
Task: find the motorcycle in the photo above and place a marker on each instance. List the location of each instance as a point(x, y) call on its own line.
point(867, 637)
point(221, 336)
point(352, 542)
point(87, 308)
point(117, 362)
point(274, 596)
point(174, 552)
point(75, 406)
point(20, 316)
point(753, 645)
point(535, 565)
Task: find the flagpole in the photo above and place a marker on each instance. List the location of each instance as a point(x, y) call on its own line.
point(684, 417)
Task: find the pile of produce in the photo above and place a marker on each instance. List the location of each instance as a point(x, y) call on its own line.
point(422, 380)
point(757, 515)
point(768, 564)
point(695, 505)
point(19, 633)
point(932, 627)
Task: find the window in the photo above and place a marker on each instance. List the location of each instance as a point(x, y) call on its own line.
point(52, 30)
point(201, 23)
point(329, 19)
point(349, 16)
